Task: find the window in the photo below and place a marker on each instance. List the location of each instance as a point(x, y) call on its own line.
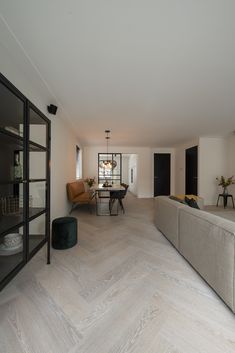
point(78, 163)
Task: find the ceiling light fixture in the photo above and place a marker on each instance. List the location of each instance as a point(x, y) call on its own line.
point(107, 163)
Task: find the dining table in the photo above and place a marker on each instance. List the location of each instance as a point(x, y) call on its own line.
point(102, 196)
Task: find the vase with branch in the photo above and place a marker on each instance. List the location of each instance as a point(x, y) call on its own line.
point(90, 181)
point(225, 183)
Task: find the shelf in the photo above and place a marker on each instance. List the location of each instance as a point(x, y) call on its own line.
point(36, 212)
point(35, 147)
point(36, 180)
point(16, 182)
point(35, 240)
point(11, 182)
point(12, 222)
point(9, 263)
point(8, 137)
point(18, 141)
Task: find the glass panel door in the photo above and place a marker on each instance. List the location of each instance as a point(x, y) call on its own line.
point(12, 175)
point(37, 128)
point(24, 181)
point(112, 175)
point(11, 112)
point(37, 232)
point(11, 251)
point(37, 179)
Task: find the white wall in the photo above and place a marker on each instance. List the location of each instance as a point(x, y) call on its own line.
point(133, 168)
point(63, 166)
point(144, 184)
point(144, 187)
point(18, 69)
point(231, 160)
point(213, 162)
point(125, 168)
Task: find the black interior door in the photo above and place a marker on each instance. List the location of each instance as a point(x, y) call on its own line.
point(191, 170)
point(162, 174)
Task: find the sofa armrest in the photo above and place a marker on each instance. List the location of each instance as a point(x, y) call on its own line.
point(207, 242)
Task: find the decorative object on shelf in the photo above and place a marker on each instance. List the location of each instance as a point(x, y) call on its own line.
point(12, 244)
point(107, 163)
point(225, 183)
point(18, 174)
point(12, 240)
point(12, 129)
point(106, 184)
point(90, 181)
point(9, 205)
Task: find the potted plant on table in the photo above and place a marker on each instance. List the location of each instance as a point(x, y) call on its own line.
point(90, 181)
point(225, 183)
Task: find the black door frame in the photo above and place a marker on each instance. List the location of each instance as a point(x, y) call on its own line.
point(170, 170)
point(195, 177)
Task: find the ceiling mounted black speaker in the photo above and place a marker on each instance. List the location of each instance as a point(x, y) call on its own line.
point(52, 109)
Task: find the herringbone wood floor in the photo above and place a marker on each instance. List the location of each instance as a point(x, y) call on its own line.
point(123, 289)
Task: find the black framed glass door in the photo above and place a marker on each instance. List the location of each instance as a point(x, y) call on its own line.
point(24, 181)
point(37, 179)
point(112, 175)
point(12, 177)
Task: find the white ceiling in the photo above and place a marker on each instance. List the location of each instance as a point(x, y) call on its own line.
point(156, 72)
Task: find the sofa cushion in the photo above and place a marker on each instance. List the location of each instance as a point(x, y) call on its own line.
point(191, 202)
point(74, 189)
point(84, 197)
point(175, 198)
point(198, 199)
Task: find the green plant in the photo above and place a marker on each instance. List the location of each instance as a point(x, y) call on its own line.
point(225, 182)
point(90, 181)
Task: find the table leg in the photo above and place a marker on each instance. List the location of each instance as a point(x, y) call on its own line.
point(225, 200)
point(217, 202)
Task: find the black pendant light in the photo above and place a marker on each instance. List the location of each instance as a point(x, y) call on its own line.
point(107, 163)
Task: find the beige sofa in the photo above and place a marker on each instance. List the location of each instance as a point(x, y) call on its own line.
point(205, 240)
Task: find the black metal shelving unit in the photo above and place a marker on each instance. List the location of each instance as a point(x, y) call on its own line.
point(24, 181)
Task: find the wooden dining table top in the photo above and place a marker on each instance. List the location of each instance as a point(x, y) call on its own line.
point(114, 187)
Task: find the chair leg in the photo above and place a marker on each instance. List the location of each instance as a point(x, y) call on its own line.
point(111, 203)
point(72, 208)
point(89, 206)
point(121, 204)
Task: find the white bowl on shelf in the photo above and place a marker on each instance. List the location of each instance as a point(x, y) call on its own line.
point(12, 241)
point(4, 251)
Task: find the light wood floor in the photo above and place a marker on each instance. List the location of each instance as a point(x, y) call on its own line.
point(124, 289)
point(227, 213)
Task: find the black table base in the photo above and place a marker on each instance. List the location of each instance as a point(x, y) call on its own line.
point(225, 198)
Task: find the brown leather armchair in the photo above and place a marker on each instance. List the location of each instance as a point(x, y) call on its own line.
point(77, 194)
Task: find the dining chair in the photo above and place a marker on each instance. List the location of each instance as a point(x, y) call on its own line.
point(118, 195)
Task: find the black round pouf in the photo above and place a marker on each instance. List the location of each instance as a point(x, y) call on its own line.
point(64, 232)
